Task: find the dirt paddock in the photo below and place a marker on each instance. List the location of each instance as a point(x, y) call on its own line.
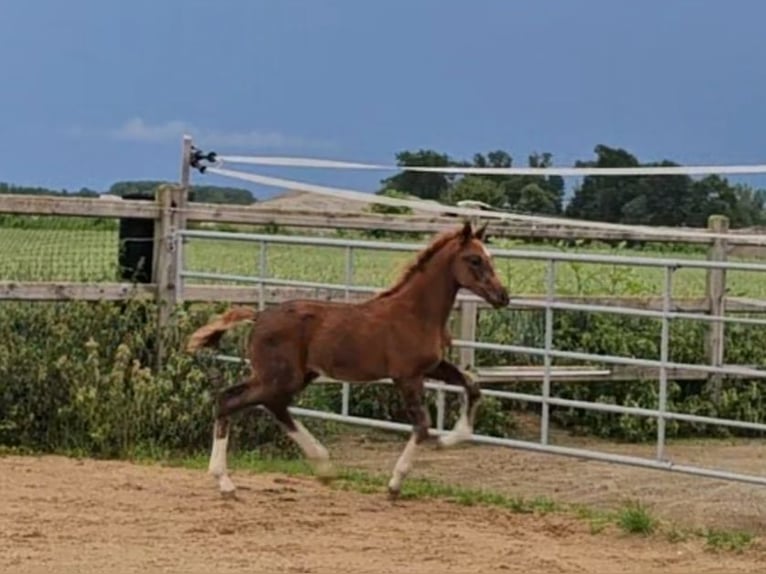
point(684, 500)
point(63, 515)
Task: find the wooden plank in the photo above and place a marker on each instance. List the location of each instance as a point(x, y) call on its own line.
point(69, 291)
point(77, 206)
point(509, 375)
point(245, 295)
point(468, 322)
point(570, 374)
point(256, 215)
point(251, 295)
point(110, 206)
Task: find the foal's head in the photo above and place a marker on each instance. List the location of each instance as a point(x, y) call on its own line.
point(473, 269)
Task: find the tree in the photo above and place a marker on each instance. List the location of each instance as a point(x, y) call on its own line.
point(421, 184)
point(535, 199)
point(601, 197)
point(668, 200)
point(200, 193)
point(477, 188)
point(546, 196)
point(643, 199)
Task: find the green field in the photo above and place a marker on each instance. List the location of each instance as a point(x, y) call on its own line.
point(91, 255)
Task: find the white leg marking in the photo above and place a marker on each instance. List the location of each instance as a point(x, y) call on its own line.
point(225, 485)
point(463, 428)
point(217, 465)
point(461, 432)
point(403, 465)
point(313, 449)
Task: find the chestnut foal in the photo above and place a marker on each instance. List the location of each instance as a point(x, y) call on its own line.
point(400, 333)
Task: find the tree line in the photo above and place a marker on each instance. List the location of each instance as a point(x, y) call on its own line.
point(668, 200)
point(142, 189)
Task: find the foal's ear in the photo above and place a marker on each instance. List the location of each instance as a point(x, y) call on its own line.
point(481, 231)
point(466, 233)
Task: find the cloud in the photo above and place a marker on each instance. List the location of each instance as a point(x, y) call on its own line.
point(139, 130)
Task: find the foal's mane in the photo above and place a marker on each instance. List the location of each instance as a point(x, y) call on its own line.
point(425, 255)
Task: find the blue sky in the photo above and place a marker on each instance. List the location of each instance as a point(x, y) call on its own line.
point(95, 91)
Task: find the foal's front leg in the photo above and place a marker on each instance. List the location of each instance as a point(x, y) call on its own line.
point(463, 429)
point(412, 393)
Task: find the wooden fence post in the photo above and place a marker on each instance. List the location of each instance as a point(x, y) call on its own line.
point(181, 200)
point(168, 247)
point(715, 293)
point(469, 316)
point(469, 311)
point(166, 270)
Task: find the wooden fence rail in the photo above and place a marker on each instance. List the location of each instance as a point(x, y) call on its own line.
point(256, 215)
point(171, 212)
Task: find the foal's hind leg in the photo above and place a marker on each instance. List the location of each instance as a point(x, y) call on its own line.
point(311, 447)
point(463, 429)
point(231, 400)
point(412, 393)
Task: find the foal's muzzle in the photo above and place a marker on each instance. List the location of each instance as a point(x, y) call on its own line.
point(499, 298)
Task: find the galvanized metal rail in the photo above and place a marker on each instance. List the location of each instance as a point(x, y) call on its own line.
point(548, 373)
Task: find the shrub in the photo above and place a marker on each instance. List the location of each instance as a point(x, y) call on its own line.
point(79, 376)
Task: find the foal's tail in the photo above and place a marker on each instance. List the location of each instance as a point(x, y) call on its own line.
point(209, 335)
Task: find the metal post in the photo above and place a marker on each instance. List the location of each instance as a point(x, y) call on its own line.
point(664, 345)
point(262, 271)
point(346, 388)
point(550, 291)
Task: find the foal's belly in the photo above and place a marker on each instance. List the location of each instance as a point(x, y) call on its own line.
point(349, 345)
point(348, 359)
point(364, 361)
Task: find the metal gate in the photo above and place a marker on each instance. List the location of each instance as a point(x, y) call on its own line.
point(550, 303)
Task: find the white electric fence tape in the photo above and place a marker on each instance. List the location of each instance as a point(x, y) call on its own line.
point(443, 209)
point(562, 171)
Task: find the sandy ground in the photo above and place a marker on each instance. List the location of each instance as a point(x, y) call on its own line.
point(688, 501)
point(65, 516)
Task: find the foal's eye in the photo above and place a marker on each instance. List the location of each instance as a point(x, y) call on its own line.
point(474, 260)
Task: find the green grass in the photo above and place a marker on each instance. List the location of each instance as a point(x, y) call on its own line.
point(633, 518)
point(736, 541)
point(91, 255)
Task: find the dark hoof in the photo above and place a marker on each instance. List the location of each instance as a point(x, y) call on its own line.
point(393, 494)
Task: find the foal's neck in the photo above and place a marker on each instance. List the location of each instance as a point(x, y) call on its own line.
point(432, 292)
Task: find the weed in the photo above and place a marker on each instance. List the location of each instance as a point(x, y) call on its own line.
point(635, 518)
point(735, 541)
